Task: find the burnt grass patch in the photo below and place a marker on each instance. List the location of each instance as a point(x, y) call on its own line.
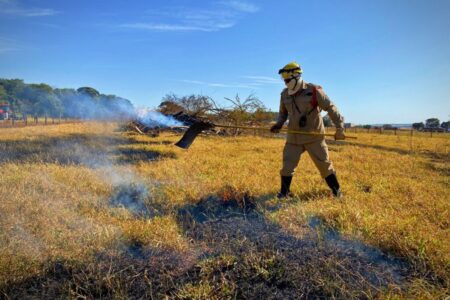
point(136, 199)
point(248, 256)
point(90, 150)
point(235, 252)
point(134, 156)
point(128, 271)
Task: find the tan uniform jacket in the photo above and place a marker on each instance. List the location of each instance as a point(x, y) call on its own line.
point(314, 121)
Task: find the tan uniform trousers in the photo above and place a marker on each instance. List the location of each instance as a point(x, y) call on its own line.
point(318, 151)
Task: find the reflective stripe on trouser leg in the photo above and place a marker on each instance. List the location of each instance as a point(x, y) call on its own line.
point(319, 155)
point(291, 157)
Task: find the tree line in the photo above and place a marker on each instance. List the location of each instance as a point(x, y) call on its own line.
point(41, 100)
point(431, 123)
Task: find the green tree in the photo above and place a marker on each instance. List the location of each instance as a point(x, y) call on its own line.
point(47, 105)
point(432, 123)
point(41, 87)
point(42, 99)
point(3, 94)
point(14, 89)
point(91, 92)
point(418, 126)
point(69, 101)
point(39, 99)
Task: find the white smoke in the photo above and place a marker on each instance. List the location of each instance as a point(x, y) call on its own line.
point(129, 192)
point(153, 118)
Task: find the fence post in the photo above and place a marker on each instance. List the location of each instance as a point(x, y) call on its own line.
point(13, 121)
point(431, 133)
point(45, 120)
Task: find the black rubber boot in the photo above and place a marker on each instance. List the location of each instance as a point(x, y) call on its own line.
point(285, 187)
point(334, 185)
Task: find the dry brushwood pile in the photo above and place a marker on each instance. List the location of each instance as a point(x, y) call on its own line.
point(186, 120)
point(154, 129)
point(89, 212)
point(141, 128)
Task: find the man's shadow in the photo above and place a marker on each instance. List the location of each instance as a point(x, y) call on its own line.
point(316, 262)
point(234, 248)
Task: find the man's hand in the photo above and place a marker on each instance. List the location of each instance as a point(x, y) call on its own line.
point(340, 134)
point(275, 128)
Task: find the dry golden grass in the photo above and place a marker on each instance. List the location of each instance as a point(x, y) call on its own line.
point(57, 222)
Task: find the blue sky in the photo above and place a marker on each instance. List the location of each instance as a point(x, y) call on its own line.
point(379, 61)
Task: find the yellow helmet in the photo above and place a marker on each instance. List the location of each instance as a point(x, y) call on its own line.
point(290, 70)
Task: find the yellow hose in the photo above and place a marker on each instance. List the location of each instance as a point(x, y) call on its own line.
point(284, 131)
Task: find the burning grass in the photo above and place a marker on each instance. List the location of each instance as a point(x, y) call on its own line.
point(90, 212)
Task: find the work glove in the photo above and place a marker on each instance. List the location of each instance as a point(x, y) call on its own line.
point(340, 134)
point(276, 128)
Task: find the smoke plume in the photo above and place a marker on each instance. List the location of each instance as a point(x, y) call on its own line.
point(153, 118)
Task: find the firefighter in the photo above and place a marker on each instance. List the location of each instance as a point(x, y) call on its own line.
point(302, 103)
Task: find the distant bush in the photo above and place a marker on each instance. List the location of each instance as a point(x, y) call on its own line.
point(418, 126)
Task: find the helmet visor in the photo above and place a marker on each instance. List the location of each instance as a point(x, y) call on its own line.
point(280, 71)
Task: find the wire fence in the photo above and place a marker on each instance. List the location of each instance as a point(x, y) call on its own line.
point(398, 131)
point(33, 121)
point(11, 123)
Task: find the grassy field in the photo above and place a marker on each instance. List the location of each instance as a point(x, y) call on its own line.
point(89, 212)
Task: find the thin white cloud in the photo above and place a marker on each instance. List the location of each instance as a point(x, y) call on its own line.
point(32, 12)
point(175, 27)
point(7, 49)
point(14, 8)
point(219, 85)
point(7, 45)
point(215, 18)
point(193, 81)
point(254, 82)
point(241, 6)
point(48, 25)
point(263, 79)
